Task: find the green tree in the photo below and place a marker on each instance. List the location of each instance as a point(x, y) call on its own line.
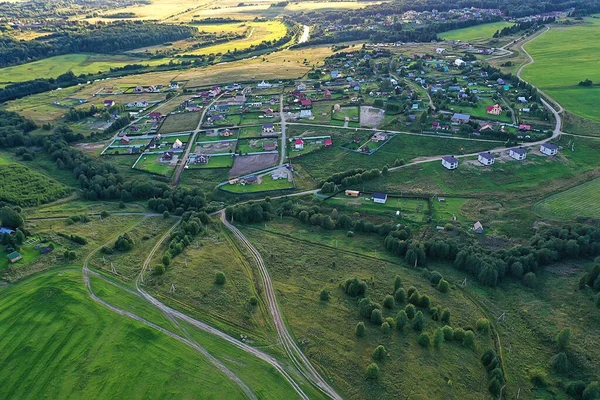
point(538, 378)
point(388, 302)
point(448, 333)
point(445, 316)
point(418, 321)
point(19, 237)
point(372, 372)
point(360, 329)
point(563, 338)
point(469, 339)
point(379, 353)
point(385, 328)
point(410, 311)
point(166, 214)
point(591, 392)
point(438, 338)
point(220, 278)
point(560, 363)
point(400, 296)
point(443, 286)
point(424, 339)
point(166, 259)
point(159, 270)
point(397, 283)
point(483, 325)
point(459, 334)
point(10, 218)
point(324, 295)
point(253, 301)
point(530, 280)
point(401, 320)
point(597, 300)
point(377, 316)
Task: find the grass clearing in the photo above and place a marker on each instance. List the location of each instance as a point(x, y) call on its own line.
point(182, 122)
point(580, 201)
point(483, 31)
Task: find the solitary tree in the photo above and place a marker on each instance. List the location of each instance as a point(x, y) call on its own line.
point(379, 353)
point(410, 311)
point(397, 283)
point(220, 278)
point(443, 286)
point(560, 363)
point(445, 317)
point(563, 338)
point(360, 329)
point(324, 295)
point(376, 316)
point(372, 372)
point(530, 280)
point(469, 339)
point(448, 333)
point(400, 296)
point(401, 320)
point(483, 325)
point(385, 328)
point(388, 302)
point(424, 339)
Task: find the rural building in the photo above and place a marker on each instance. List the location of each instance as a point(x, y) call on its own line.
point(177, 144)
point(174, 85)
point(494, 110)
point(268, 128)
point(440, 50)
point(521, 99)
point(6, 231)
point(328, 142)
point(335, 74)
point(523, 127)
point(202, 159)
point(14, 257)
point(226, 133)
point(109, 103)
point(306, 113)
point(327, 94)
point(301, 86)
point(352, 193)
point(450, 162)
point(156, 116)
point(379, 137)
point(517, 154)
point(125, 140)
point(305, 103)
point(299, 144)
point(461, 118)
point(486, 158)
point(459, 63)
point(549, 149)
point(264, 85)
point(250, 180)
point(167, 156)
point(380, 198)
point(477, 227)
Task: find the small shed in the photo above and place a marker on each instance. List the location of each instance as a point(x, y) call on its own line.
point(380, 198)
point(477, 227)
point(14, 257)
point(352, 193)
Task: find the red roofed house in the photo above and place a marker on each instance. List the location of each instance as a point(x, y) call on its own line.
point(299, 144)
point(327, 94)
point(305, 102)
point(328, 142)
point(494, 110)
point(155, 115)
point(524, 127)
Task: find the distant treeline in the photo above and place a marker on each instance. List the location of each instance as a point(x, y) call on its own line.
point(522, 26)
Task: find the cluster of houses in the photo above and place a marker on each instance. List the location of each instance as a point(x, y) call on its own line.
point(487, 158)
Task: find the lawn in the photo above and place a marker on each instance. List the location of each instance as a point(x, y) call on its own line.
point(410, 209)
point(481, 111)
point(267, 184)
point(352, 113)
point(58, 343)
point(24, 186)
point(580, 201)
point(484, 31)
point(152, 163)
point(558, 75)
point(215, 162)
point(251, 131)
point(182, 122)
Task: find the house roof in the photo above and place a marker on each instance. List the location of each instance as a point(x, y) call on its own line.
point(268, 125)
point(461, 116)
point(477, 226)
point(13, 255)
point(550, 146)
point(5, 230)
point(299, 141)
point(305, 102)
point(518, 151)
point(487, 155)
point(450, 159)
point(379, 196)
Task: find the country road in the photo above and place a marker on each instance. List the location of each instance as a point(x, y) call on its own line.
point(292, 349)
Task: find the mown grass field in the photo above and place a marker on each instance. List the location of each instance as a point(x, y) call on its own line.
point(24, 186)
point(484, 31)
point(58, 343)
point(558, 75)
point(267, 184)
point(580, 201)
point(300, 269)
point(182, 122)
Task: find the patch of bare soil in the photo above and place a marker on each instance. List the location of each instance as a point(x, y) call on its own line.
point(371, 116)
point(243, 165)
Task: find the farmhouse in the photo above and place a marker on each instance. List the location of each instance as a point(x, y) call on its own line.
point(109, 103)
point(264, 85)
point(226, 133)
point(523, 127)
point(201, 159)
point(155, 116)
point(299, 144)
point(268, 128)
point(380, 198)
point(477, 227)
point(173, 85)
point(125, 140)
point(177, 144)
point(335, 74)
point(549, 149)
point(306, 113)
point(379, 137)
point(517, 154)
point(167, 156)
point(352, 193)
point(494, 110)
point(250, 180)
point(461, 118)
point(327, 94)
point(486, 158)
point(328, 142)
point(14, 257)
point(6, 231)
point(305, 103)
point(450, 162)
point(521, 99)
point(459, 63)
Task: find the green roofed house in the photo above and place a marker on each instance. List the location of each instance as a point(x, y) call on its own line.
point(14, 256)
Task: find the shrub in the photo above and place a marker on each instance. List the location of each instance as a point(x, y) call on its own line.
point(469, 339)
point(372, 371)
point(253, 301)
point(385, 328)
point(488, 357)
point(530, 280)
point(411, 290)
point(459, 334)
point(360, 329)
point(424, 302)
point(445, 317)
point(388, 302)
point(220, 278)
point(410, 311)
point(560, 363)
point(435, 277)
point(418, 321)
point(494, 386)
point(443, 286)
point(366, 307)
point(401, 320)
point(159, 270)
point(166, 214)
point(415, 298)
point(354, 287)
point(377, 316)
point(324, 295)
point(423, 339)
point(483, 325)
point(350, 234)
point(448, 333)
point(597, 300)
point(397, 283)
point(400, 296)
point(438, 338)
point(166, 260)
point(576, 388)
point(538, 378)
point(379, 353)
point(563, 338)
point(591, 392)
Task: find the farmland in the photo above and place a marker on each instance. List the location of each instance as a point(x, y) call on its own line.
point(580, 201)
point(484, 31)
point(180, 123)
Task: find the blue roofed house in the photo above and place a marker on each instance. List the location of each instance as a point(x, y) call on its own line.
point(486, 158)
point(380, 198)
point(461, 118)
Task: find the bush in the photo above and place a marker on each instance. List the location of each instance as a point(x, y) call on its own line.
point(560, 363)
point(379, 353)
point(448, 333)
point(166, 214)
point(401, 320)
point(324, 295)
point(597, 300)
point(360, 329)
point(385, 328)
point(253, 301)
point(424, 302)
point(411, 290)
point(377, 316)
point(397, 283)
point(530, 280)
point(538, 378)
point(483, 325)
point(354, 287)
point(350, 234)
point(372, 371)
point(576, 388)
point(469, 339)
point(445, 317)
point(563, 338)
point(423, 339)
point(415, 298)
point(418, 321)
point(159, 270)
point(410, 311)
point(438, 338)
point(220, 278)
point(591, 392)
point(366, 307)
point(443, 286)
point(459, 334)
point(400, 296)
point(388, 302)
point(488, 357)
point(435, 277)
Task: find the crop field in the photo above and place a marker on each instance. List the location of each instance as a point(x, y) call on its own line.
point(558, 76)
point(580, 201)
point(301, 269)
point(181, 122)
point(258, 32)
point(484, 31)
point(26, 187)
point(58, 343)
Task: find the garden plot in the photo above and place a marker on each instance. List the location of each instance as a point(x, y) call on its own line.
point(346, 114)
point(368, 144)
point(279, 178)
point(243, 165)
point(247, 146)
point(218, 134)
point(157, 163)
point(181, 122)
point(207, 161)
point(215, 147)
point(371, 117)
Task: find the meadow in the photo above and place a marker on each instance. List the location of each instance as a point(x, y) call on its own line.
point(558, 75)
point(58, 343)
point(267, 184)
point(484, 31)
point(24, 186)
point(580, 201)
point(181, 122)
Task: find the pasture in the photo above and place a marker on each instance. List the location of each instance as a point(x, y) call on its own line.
point(21, 185)
point(483, 31)
point(580, 201)
point(182, 122)
point(559, 76)
point(58, 343)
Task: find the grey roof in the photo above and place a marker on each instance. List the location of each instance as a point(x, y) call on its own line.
point(381, 196)
point(487, 155)
point(268, 125)
point(550, 146)
point(450, 159)
point(518, 151)
point(461, 116)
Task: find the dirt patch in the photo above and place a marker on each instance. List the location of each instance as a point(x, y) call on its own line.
point(90, 146)
point(215, 148)
point(563, 269)
point(243, 165)
point(371, 116)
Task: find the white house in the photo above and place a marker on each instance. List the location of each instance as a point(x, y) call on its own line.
point(301, 86)
point(380, 198)
point(477, 227)
point(517, 154)
point(450, 162)
point(335, 74)
point(459, 63)
point(549, 149)
point(264, 85)
point(268, 128)
point(521, 99)
point(440, 50)
point(486, 158)
point(306, 113)
point(174, 85)
point(177, 144)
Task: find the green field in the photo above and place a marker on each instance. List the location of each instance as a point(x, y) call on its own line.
point(484, 31)
point(267, 184)
point(182, 122)
point(152, 163)
point(580, 201)
point(558, 75)
point(58, 343)
point(411, 209)
point(215, 162)
point(26, 187)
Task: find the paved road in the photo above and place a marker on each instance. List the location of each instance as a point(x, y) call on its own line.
point(291, 348)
